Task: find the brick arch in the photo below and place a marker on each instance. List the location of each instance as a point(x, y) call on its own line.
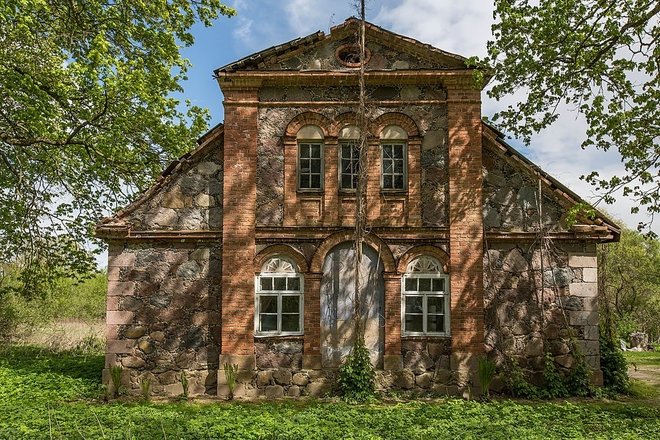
point(372, 240)
point(340, 121)
point(418, 251)
point(394, 118)
point(283, 250)
point(308, 118)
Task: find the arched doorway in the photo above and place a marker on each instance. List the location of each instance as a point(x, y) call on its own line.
point(337, 311)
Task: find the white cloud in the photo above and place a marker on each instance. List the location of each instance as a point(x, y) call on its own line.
point(243, 31)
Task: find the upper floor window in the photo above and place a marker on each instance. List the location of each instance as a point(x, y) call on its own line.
point(425, 298)
point(393, 158)
point(310, 158)
point(279, 299)
point(349, 157)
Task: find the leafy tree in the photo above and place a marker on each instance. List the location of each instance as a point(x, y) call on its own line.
point(86, 118)
point(630, 284)
point(599, 57)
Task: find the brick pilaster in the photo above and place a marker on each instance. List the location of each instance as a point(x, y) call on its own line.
point(392, 356)
point(312, 322)
point(238, 227)
point(465, 228)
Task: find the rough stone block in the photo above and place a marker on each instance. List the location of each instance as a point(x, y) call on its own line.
point(582, 260)
point(175, 389)
point(300, 379)
point(282, 376)
point(118, 318)
point(584, 289)
point(591, 332)
point(133, 362)
point(274, 392)
point(583, 317)
point(124, 259)
point(311, 362)
point(121, 288)
point(597, 378)
point(244, 362)
point(119, 346)
point(589, 348)
point(424, 380)
point(405, 380)
point(293, 391)
point(264, 378)
point(114, 273)
point(392, 362)
point(318, 389)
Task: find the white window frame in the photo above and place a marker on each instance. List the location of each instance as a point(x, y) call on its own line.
point(446, 294)
point(279, 293)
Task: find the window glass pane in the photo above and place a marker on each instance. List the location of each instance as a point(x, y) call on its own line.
point(387, 166)
point(414, 304)
point(387, 151)
point(346, 152)
point(346, 181)
point(398, 166)
point(267, 323)
point(316, 166)
point(316, 181)
point(304, 181)
point(280, 283)
point(435, 323)
point(268, 304)
point(291, 304)
point(439, 285)
point(397, 151)
point(414, 323)
point(398, 182)
point(387, 181)
point(346, 166)
point(266, 283)
point(411, 284)
point(291, 322)
point(293, 283)
point(316, 151)
point(304, 151)
point(424, 285)
point(304, 165)
point(435, 304)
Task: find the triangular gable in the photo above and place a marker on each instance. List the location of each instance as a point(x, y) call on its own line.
point(122, 221)
point(388, 51)
point(553, 190)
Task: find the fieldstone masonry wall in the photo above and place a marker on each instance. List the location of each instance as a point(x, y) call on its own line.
point(529, 311)
point(163, 315)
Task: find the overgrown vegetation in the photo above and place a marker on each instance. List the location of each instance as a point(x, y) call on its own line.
point(64, 299)
point(357, 375)
point(630, 280)
point(486, 369)
point(555, 384)
point(45, 394)
point(613, 365)
point(231, 374)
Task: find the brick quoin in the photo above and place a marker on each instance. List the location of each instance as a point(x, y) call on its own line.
point(465, 228)
point(238, 223)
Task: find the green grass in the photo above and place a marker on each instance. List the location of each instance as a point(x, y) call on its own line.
point(649, 358)
point(46, 394)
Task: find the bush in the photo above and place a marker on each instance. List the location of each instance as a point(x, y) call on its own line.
point(614, 366)
point(357, 376)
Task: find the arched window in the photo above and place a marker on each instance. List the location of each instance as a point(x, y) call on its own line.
point(349, 157)
point(310, 158)
point(279, 299)
point(425, 298)
point(394, 147)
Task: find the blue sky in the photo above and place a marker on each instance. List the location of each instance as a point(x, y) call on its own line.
point(462, 27)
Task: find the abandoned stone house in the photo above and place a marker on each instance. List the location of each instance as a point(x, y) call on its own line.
point(241, 252)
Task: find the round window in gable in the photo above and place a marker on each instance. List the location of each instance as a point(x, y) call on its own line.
point(349, 55)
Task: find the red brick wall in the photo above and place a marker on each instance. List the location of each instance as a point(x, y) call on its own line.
point(239, 198)
point(466, 226)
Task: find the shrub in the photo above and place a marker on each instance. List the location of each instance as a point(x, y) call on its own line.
point(357, 376)
point(554, 382)
point(614, 366)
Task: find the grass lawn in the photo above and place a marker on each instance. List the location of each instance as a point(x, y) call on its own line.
point(45, 394)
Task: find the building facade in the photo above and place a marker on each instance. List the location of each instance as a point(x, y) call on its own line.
point(241, 253)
